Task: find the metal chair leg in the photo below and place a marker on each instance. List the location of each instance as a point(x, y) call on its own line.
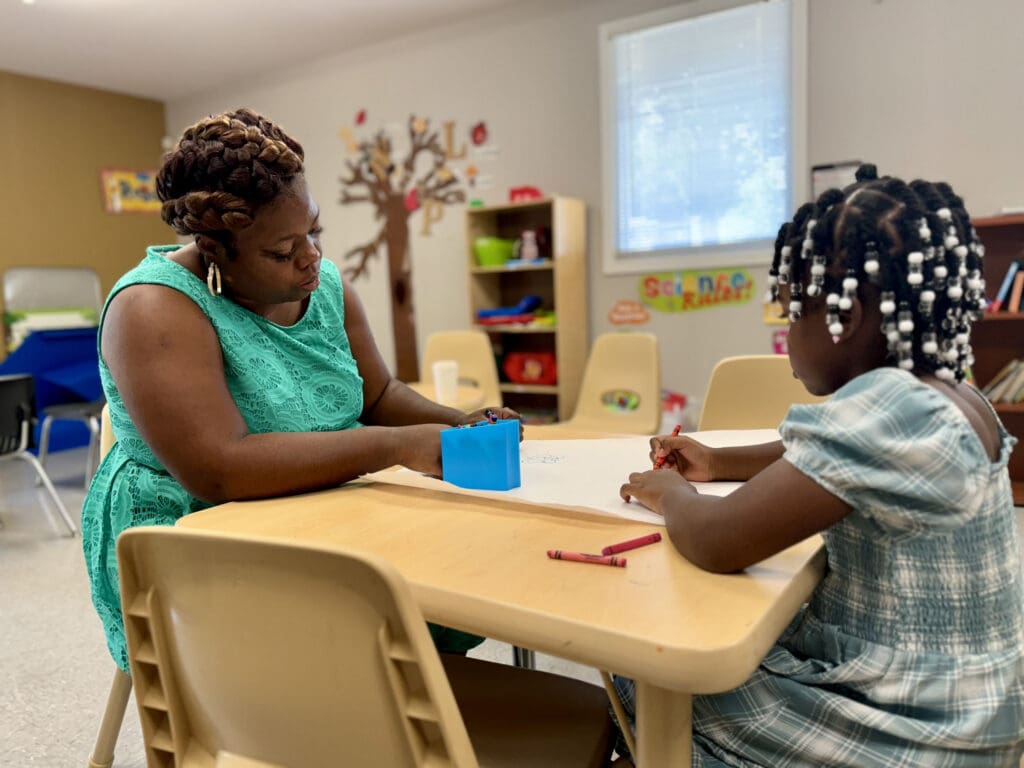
point(92, 459)
point(44, 443)
point(523, 658)
point(110, 727)
point(45, 480)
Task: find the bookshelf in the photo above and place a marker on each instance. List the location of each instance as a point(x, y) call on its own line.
point(560, 279)
point(999, 337)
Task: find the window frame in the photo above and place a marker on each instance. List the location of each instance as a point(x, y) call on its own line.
point(752, 253)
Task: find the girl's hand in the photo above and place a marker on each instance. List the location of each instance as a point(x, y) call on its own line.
point(691, 459)
point(654, 487)
point(483, 414)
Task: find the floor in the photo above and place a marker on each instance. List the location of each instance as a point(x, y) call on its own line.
point(55, 671)
point(54, 668)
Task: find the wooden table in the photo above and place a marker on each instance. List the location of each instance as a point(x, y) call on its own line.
point(467, 396)
point(480, 565)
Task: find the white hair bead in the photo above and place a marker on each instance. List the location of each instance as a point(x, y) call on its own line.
point(871, 267)
point(962, 338)
point(783, 268)
point(951, 354)
point(795, 306)
point(961, 251)
point(888, 307)
point(907, 363)
point(915, 278)
point(915, 257)
point(975, 283)
point(846, 303)
point(892, 334)
point(925, 233)
point(906, 345)
point(835, 328)
point(813, 289)
point(832, 299)
point(941, 271)
point(945, 214)
point(951, 242)
point(944, 373)
point(928, 295)
point(905, 326)
point(930, 347)
point(773, 280)
point(954, 292)
point(786, 251)
point(850, 283)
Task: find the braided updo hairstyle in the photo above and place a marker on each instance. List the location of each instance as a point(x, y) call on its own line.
point(914, 242)
point(221, 171)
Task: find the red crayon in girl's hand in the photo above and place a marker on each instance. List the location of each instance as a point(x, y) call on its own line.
point(583, 557)
point(660, 461)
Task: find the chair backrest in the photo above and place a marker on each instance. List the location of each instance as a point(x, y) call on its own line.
point(751, 392)
point(17, 411)
point(291, 655)
point(29, 288)
point(107, 436)
point(621, 386)
point(472, 351)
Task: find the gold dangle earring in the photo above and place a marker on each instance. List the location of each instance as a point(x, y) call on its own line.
point(213, 279)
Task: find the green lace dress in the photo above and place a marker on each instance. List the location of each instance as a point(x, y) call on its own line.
point(299, 378)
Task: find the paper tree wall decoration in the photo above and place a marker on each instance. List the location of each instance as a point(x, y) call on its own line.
point(422, 181)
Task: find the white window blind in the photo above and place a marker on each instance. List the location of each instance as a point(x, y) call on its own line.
point(700, 129)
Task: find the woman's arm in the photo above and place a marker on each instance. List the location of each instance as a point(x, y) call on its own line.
point(166, 361)
point(773, 510)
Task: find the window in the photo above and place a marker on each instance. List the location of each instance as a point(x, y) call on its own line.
point(704, 132)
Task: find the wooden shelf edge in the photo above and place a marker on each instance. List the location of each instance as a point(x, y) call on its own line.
point(546, 265)
point(1000, 316)
point(471, 209)
point(1004, 220)
point(528, 389)
point(514, 328)
point(1008, 407)
point(1018, 492)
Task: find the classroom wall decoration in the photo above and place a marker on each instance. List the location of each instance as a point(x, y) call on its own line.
point(693, 289)
point(422, 176)
point(127, 191)
point(628, 312)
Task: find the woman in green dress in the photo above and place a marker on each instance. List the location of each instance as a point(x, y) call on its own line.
point(241, 365)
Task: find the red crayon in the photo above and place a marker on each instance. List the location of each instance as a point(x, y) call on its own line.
point(660, 461)
point(623, 546)
point(583, 557)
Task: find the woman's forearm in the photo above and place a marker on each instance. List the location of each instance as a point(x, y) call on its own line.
point(398, 405)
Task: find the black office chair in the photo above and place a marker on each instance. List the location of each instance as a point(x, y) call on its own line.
point(17, 416)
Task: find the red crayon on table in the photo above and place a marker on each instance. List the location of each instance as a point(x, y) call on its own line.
point(660, 461)
point(624, 546)
point(583, 557)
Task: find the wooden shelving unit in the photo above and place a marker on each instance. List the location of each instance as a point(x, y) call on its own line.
point(561, 283)
point(999, 337)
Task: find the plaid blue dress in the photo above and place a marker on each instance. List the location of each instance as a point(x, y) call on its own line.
point(911, 650)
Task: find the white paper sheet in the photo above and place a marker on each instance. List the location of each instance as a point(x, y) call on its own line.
point(586, 474)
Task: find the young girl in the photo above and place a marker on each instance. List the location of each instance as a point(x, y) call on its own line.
point(911, 651)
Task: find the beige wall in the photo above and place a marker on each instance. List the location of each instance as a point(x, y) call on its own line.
point(57, 138)
point(918, 86)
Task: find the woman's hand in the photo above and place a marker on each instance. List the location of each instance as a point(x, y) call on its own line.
point(421, 448)
point(655, 487)
point(692, 460)
point(484, 414)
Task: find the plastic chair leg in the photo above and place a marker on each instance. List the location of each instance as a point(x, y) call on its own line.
point(110, 727)
point(45, 480)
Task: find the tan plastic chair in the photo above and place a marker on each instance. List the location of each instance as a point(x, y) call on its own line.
point(751, 392)
point(620, 362)
point(472, 351)
point(254, 652)
point(121, 688)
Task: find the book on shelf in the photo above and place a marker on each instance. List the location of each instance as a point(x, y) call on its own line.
point(998, 382)
point(1014, 386)
point(999, 302)
point(1013, 303)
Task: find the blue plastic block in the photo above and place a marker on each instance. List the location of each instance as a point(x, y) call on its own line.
point(484, 456)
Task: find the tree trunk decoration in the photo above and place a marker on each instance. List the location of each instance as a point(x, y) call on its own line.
point(396, 193)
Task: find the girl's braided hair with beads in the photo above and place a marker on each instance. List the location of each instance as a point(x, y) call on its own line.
point(223, 169)
point(913, 242)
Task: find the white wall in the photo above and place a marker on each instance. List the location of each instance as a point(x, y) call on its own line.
point(921, 87)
